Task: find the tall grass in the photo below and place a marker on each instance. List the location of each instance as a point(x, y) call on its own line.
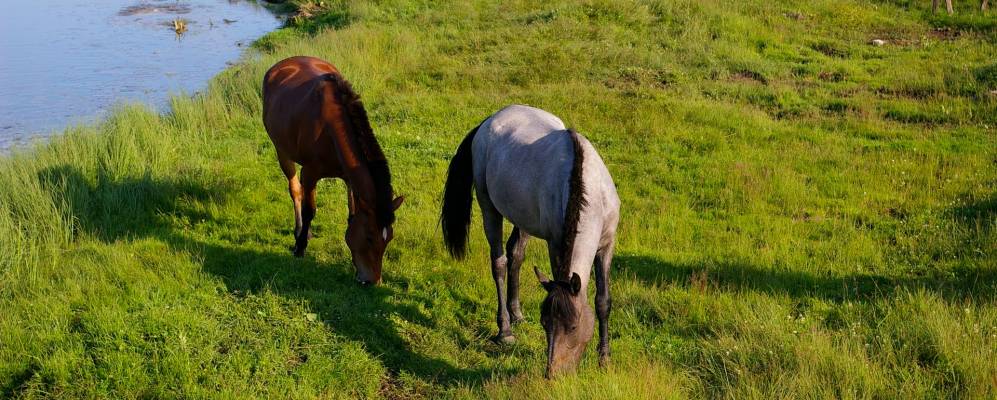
point(804, 214)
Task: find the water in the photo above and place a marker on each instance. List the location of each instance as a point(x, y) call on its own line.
point(65, 62)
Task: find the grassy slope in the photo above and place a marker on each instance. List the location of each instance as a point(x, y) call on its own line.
point(804, 213)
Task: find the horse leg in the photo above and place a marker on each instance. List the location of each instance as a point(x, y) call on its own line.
point(554, 253)
point(309, 180)
point(515, 250)
point(350, 201)
point(603, 303)
point(493, 232)
point(293, 189)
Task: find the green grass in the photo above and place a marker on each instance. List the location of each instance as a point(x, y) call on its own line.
point(804, 214)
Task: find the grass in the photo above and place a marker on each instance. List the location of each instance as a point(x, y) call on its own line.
point(804, 214)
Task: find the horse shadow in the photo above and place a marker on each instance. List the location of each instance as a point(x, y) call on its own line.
point(975, 277)
point(962, 282)
point(979, 213)
point(736, 276)
point(111, 209)
point(363, 314)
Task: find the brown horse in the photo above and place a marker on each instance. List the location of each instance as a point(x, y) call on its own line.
point(315, 119)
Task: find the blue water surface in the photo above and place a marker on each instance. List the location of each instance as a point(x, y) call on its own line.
point(66, 62)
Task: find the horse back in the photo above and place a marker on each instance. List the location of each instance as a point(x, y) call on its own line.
point(300, 112)
point(522, 163)
point(522, 160)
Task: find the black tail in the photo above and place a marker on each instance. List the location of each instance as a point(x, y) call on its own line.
point(455, 216)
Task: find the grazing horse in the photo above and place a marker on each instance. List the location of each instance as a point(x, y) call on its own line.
point(550, 183)
point(316, 120)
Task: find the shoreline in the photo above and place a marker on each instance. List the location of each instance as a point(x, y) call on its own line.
point(161, 67)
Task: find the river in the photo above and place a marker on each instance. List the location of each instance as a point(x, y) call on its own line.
point(65, 62)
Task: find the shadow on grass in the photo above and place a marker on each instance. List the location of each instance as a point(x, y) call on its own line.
point(977, 283)
point(978, 214)
point(357, 313)
point(113, 209)
point(738, 276)
point(975, 276)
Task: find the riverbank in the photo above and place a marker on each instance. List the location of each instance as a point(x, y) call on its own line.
point(801, 217)
point(63, 64)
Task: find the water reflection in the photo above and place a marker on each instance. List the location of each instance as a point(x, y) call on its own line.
point(65, 62)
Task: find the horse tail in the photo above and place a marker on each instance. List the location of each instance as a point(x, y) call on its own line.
point(576, 201)
point(455, 216)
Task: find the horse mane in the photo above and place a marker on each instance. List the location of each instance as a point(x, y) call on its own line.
point(558, 304)
point(370, 150)
point(576, 201)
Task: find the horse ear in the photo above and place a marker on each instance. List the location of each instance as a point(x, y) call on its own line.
point(576, 283)
point(397, 202)
point(541, 277)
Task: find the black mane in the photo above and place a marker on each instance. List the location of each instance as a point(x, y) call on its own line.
point(370, 150)
point(558, 303)
point(573, 213)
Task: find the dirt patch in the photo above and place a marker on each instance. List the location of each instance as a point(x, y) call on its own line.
point(897, 213)
point(807, 217)
point(831, 49)
point(831, 76)
point(155, 8)
point(910, 39)
point(748, 76)
point(945, 33)
point(633, 77)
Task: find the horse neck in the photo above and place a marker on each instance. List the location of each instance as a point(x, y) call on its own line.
point(583, 251)
point(361, 183)
point(353, 164)
point(360, 150)
point(581, 227)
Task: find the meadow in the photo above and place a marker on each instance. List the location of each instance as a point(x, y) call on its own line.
point(805, 214)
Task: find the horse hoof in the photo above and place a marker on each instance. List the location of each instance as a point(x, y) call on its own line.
point(603, 358)
point(504, 339)
point(515, 319)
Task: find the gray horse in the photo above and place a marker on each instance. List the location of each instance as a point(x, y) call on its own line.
point(550, 183)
